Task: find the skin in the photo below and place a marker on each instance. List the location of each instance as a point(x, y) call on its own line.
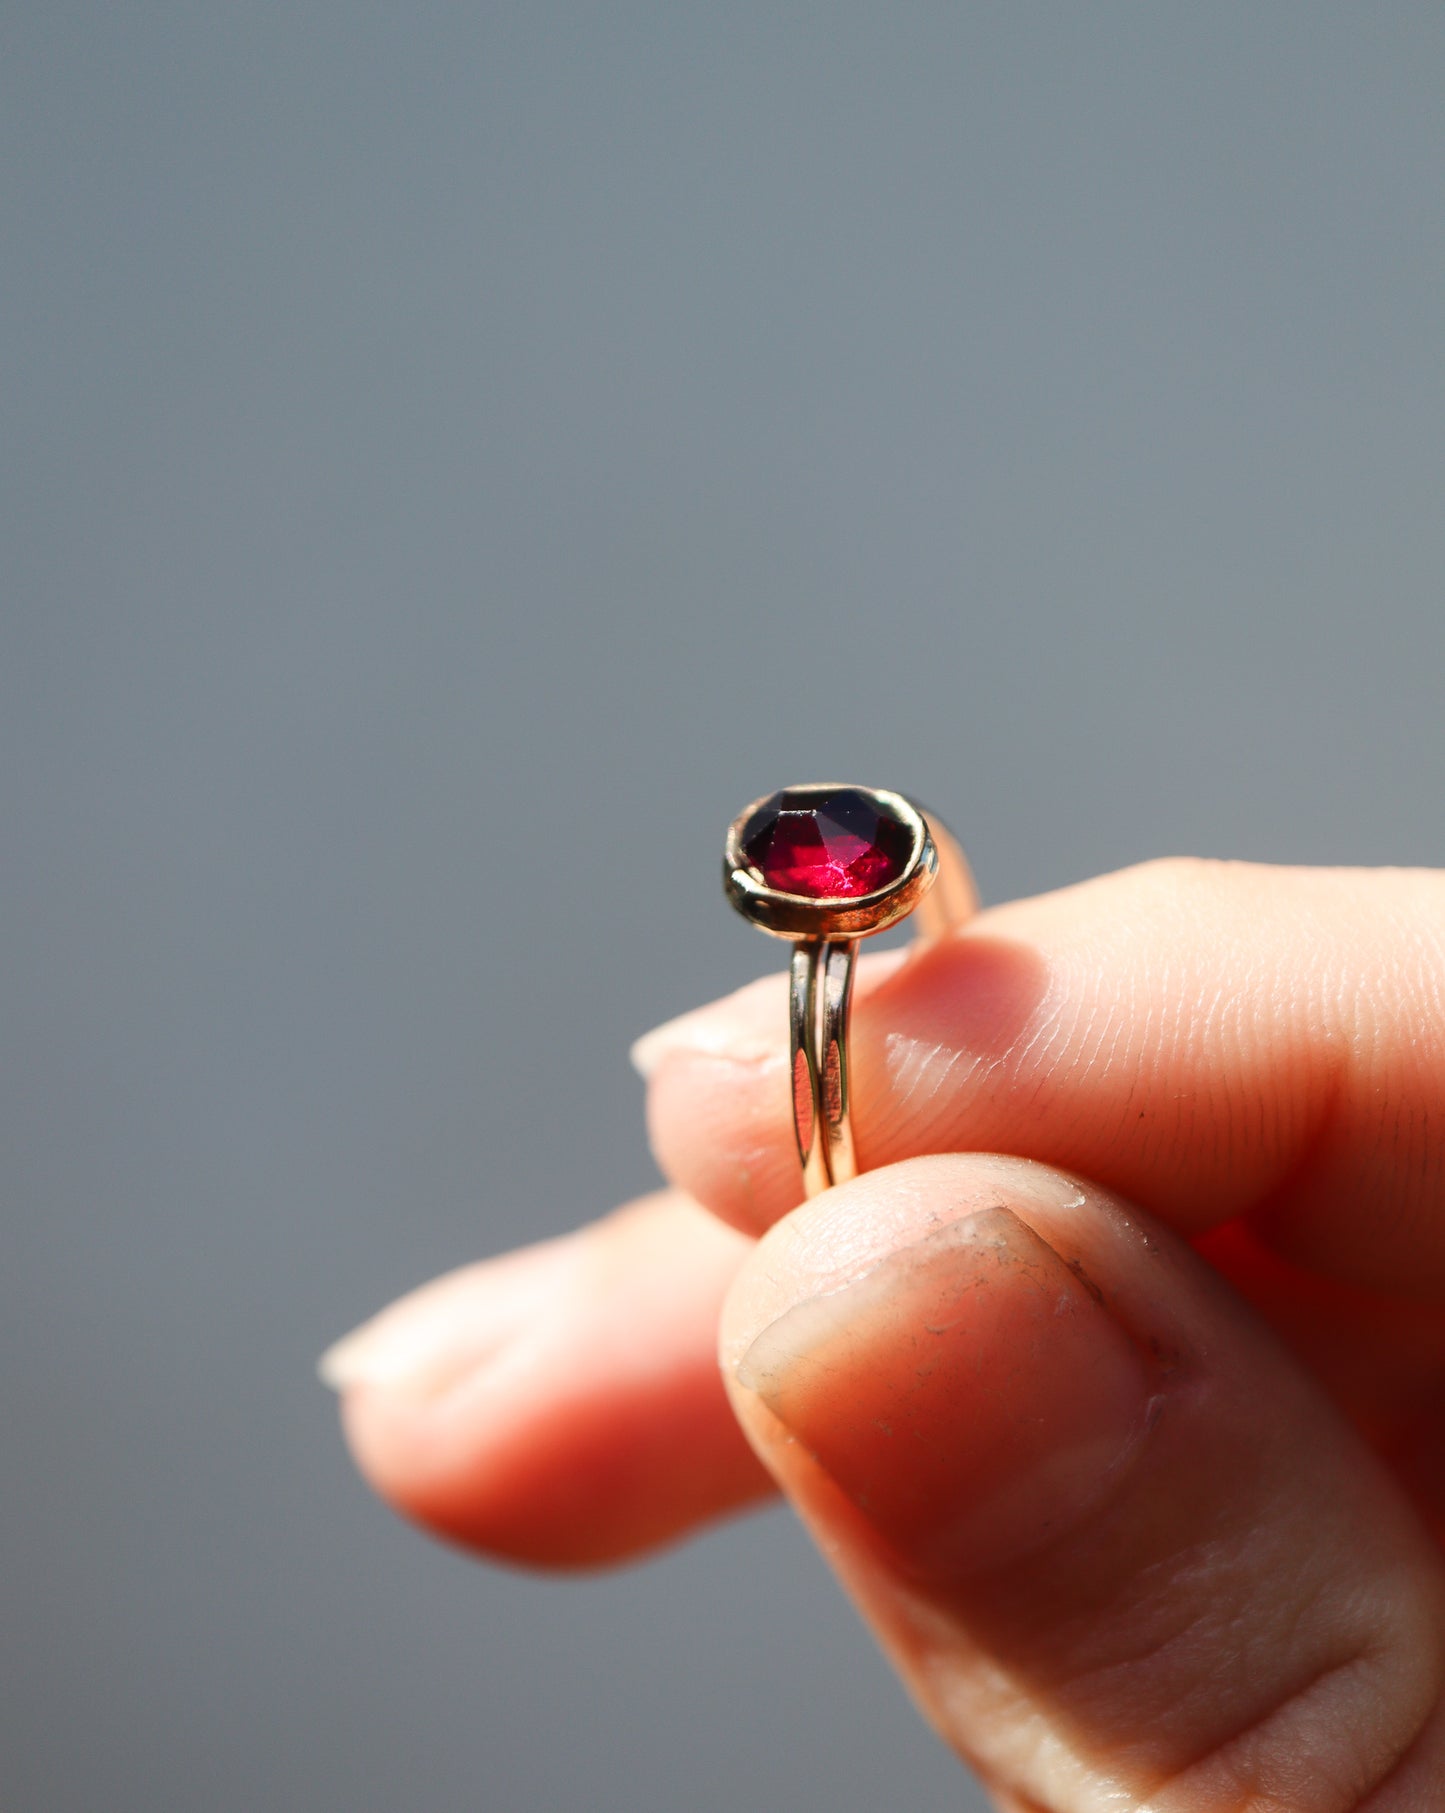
point(1113, 1388)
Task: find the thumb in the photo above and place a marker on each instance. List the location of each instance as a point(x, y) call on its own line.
point(1121, 1549)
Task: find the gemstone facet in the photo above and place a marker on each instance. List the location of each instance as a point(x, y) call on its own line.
point(832, 845)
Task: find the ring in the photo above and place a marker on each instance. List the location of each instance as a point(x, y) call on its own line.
point(824, 866)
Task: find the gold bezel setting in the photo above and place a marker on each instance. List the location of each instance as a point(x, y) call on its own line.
point(800, 916)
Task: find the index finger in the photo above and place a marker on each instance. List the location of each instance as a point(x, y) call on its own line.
point(1212, 1040)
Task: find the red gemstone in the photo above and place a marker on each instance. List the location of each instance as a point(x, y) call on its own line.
point(827, 846)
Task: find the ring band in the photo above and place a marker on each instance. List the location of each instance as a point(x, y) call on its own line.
point(825, 866)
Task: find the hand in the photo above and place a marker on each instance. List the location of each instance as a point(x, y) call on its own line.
point(1139, 1480)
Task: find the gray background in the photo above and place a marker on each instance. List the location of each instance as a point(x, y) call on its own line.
point(453, 457)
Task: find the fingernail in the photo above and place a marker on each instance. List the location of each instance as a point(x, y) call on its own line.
point(425, 1341)
point(383, 1351)
point(397, 1350)
point(969, 1393)
point(749, 1025)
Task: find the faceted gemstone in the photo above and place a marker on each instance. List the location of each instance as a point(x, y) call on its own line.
point(827, 846)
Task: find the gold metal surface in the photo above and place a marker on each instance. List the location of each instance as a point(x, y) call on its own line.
point(935, 882)
point(803, 1067)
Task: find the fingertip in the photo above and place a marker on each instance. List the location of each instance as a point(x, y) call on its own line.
point(718, 1096)
point(718, 1130)
point(552, 1483)
point(750, 1023)
point(989, 1316)
point(561, 1406)
point(1076, 1488)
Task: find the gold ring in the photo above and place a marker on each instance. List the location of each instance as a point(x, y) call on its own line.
point(825, 865)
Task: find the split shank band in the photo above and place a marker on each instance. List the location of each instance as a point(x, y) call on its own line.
point(826, 865)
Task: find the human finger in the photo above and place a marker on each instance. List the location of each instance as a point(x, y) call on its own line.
point(559, 1406)
point(1119, 1545)
point(1211, 1039)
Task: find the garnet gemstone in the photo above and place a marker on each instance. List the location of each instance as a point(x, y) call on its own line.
point(827, 845)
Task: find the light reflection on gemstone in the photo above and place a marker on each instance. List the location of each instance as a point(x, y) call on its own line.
point(828, 846)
